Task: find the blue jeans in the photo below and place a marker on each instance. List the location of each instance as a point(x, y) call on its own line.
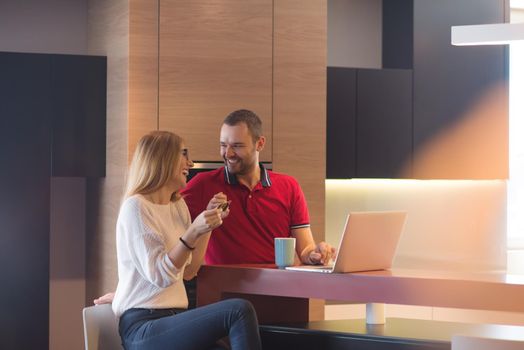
point(196, 329)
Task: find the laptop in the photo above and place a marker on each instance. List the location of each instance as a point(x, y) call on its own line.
point(369, 242)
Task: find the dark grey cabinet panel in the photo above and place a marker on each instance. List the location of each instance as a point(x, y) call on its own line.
point(450, 81)
point(397, 34)
point(341, 122)
point(369, 123)
point(40, 107)
point(79, 120)
point(25, 160)
point(384, 123)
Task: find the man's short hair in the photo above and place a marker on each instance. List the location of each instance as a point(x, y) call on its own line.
point(253, 122)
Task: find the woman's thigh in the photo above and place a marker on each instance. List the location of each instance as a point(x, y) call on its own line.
point(195, 329)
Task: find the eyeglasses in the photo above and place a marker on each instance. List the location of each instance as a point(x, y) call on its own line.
point(185, 153)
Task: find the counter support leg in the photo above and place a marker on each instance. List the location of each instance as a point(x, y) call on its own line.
point(375, 313)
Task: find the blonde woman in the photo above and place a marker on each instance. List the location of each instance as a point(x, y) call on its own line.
point(158, 247)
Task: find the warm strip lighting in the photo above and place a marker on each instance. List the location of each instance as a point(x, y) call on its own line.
point(404, 182)
point(517, 4)
point(487, 34)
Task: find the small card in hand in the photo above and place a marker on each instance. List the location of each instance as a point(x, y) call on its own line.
point(224, 206)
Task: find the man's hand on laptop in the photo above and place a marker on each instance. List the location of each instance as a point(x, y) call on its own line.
point(321, 255)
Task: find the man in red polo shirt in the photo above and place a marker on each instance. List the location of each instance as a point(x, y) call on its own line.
point(264, 204)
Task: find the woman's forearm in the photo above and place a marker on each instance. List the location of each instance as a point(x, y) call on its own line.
point(198, 256)
point(181, 251)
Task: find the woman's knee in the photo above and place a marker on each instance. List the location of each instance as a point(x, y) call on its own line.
point(244, 307)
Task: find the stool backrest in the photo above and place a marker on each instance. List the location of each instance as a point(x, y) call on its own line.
point(101, 328)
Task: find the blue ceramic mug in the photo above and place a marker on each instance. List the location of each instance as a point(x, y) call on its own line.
point(284, 251)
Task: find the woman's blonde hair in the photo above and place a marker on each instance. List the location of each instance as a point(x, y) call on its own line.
point(155, 157)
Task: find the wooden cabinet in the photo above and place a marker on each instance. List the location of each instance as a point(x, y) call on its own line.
point(299, 100)
point(214, 58)
point(369, 122)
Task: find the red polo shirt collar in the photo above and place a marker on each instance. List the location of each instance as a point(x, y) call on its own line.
point(264, 176)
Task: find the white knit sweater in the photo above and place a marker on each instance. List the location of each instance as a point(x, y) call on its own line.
point(145, 232)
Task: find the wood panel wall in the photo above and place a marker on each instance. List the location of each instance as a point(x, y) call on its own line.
point(143, 70)
point(108, 35)
point(215, 57)
point(299, 132)
point(299, 103)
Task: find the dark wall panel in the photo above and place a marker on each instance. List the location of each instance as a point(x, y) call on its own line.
point(48, 109)
point(341, 122)
point(24, 205)
point(384, 123)
point(397, 34)
point(450, 80)
point(79, 130)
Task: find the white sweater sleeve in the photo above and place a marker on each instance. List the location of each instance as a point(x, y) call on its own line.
point(146, 248)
